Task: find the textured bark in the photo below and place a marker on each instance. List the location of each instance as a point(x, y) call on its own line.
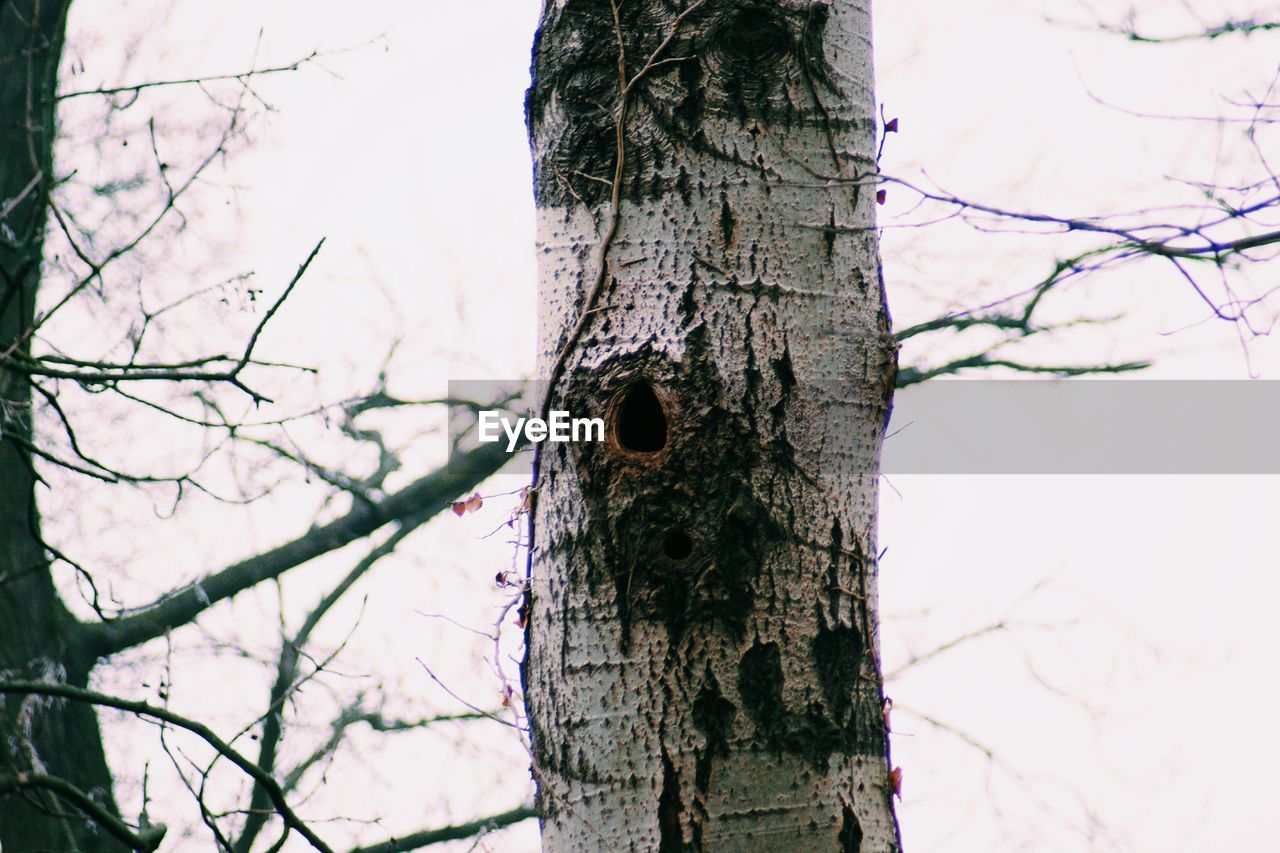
point(702, 670)
point(36, 631)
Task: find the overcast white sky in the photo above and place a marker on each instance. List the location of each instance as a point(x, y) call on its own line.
point(1131, 709)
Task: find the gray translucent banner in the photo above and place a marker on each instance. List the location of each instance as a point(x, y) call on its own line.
point(1038, 427)
point(1085, 427)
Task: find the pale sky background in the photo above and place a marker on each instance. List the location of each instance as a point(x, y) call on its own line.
point(1131, 707)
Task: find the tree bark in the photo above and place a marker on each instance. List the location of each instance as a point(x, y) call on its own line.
point(39, 737)
point(702, 669)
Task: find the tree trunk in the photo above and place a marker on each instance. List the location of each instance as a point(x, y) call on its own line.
point(702, 667)
point(58, 739)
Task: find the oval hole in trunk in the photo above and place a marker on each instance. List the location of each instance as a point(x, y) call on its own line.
point(641, 424)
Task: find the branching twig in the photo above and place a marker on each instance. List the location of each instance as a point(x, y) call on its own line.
point(143, 709)
point(287, 678)
point(241, 77)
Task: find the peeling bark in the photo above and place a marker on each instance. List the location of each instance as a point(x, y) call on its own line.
point(702, 671)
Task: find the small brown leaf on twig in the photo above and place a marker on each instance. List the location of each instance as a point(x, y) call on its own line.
point(466, 505)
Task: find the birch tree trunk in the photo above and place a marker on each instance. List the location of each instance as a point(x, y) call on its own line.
point(702, 667)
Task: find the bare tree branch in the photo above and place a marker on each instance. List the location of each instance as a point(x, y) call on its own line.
point(142, 709)
point(144, 840)
point(287, 678)
point(908, 376)
point(376, 722)
point(418, 840)
point(429, 495)
point(916, 659)
point(241, 77)
point(109, 374)
point(1243, 27)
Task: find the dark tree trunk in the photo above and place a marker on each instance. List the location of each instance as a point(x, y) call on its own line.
point(58, 739)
